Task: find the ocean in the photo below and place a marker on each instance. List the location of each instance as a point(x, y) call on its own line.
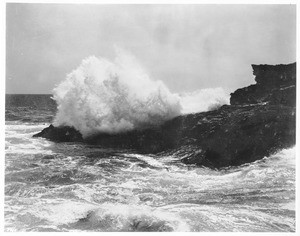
point(78, 187)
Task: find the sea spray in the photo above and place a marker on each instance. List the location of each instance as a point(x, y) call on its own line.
point(118, 96)
point(203, 100)
point(112, 97)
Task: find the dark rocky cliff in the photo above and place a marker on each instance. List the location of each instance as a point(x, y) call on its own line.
point(260, 120)
point(274, 85)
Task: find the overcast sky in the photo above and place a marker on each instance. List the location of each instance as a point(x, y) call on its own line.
point(189, 47)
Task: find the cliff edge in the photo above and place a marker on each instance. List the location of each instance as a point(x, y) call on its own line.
point(274, 85)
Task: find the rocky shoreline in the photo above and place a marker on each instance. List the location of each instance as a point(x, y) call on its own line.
point(260, 120)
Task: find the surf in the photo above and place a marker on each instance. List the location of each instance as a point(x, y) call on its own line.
point(113, 96)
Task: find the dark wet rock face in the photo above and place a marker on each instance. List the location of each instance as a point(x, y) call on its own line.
point(60, 134)
point(274, 85)
point(277, 76)
point(236, 135)
point(260, 121)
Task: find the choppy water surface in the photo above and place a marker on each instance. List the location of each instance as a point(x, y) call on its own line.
point(77, 187)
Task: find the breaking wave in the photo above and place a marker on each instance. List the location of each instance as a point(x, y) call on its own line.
point(117, 96)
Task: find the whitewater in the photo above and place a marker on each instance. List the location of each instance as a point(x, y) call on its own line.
point(118, 96)
point(76, 187)
point(63, 187)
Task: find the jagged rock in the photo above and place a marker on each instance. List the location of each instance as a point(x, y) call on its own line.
point(60, 134)
point(285, 96)
point(242, 134)
point(275, 84)
point(275, 76)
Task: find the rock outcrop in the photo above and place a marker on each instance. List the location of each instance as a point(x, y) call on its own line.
point(260, 120)
point(274, 85)
point(60, 134)
point(233, 135)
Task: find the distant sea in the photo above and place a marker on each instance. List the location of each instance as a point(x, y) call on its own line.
point(77, 187)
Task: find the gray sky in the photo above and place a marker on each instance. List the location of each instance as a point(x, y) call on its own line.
point(189, 47)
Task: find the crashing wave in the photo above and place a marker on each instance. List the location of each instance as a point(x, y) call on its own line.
point(105, 96)
point(116, 96)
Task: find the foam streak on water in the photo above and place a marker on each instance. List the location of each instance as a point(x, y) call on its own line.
point(75, 187)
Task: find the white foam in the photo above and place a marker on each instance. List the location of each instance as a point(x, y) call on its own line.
point(116, 96)
point(112, 97)
point(122, 217)
point(28, 149)
point(126, 215)
point(19, 140)
point(62, 213)
point(148, 159)
point(203, 100)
